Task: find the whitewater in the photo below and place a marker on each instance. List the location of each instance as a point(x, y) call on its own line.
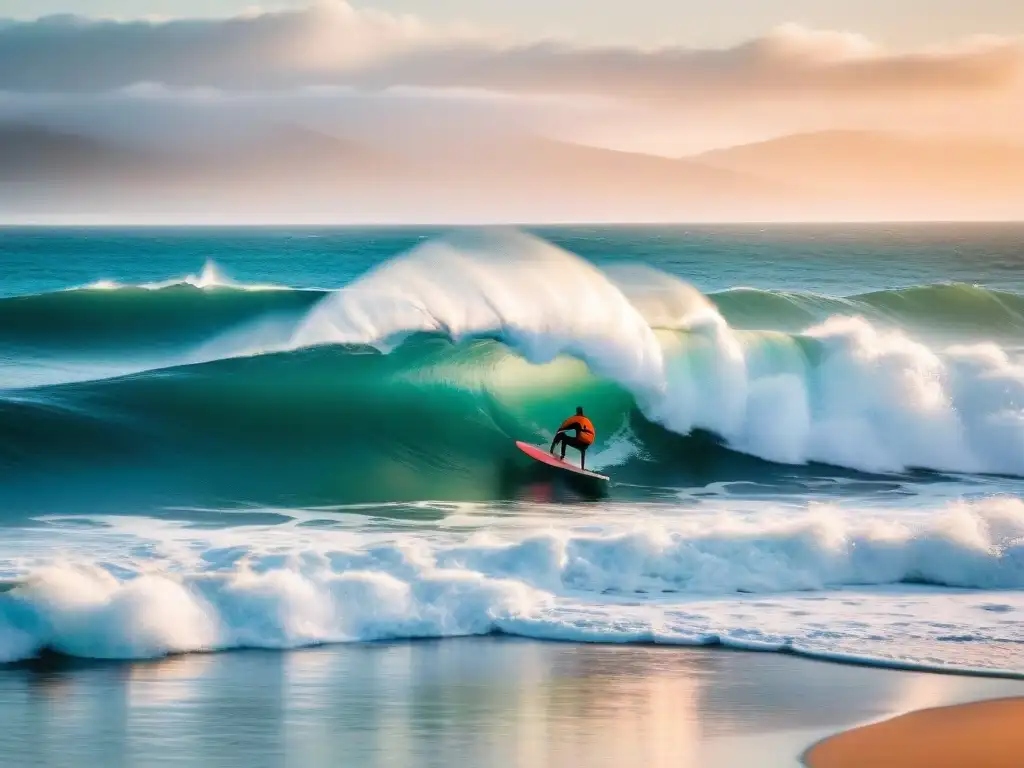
point(832, 467)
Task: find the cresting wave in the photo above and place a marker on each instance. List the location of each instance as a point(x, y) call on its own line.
point(842, 584)
point(410, 382)
point(109, 318)
point(174, 315)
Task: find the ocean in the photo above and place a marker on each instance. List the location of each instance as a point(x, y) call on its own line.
point(274, 438)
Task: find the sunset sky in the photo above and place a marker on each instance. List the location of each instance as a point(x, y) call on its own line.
point(657, 77)
point(718, 77)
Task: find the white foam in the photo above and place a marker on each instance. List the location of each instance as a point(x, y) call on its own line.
point(209, 278)
point(820, 579)
point(539, 299)
point(102, 285)
point(616, 451)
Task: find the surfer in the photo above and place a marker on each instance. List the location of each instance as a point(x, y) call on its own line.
point(584, 438)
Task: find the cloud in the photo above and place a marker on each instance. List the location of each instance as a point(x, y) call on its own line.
point(389, 79)
point(334, 44)
point(323, 43)
point(789, 61)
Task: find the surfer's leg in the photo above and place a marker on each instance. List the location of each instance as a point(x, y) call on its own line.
point(583, 458)
point(574, 442)
point(559, 438)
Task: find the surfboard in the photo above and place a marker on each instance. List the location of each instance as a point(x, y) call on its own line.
point(544, 456)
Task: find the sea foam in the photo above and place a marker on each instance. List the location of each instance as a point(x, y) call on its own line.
point(822, 580)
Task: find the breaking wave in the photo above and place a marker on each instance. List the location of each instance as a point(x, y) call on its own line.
point(412, 381)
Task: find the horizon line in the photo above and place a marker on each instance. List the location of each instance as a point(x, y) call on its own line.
point(8, 225)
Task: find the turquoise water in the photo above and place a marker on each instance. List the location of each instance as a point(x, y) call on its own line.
point(832, 259)
point(271, 438)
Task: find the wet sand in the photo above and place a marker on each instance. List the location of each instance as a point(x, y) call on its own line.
point(987, 734)
point(491, 701)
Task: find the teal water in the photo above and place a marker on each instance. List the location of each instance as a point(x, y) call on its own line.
point(832, 259)
point(270, 438)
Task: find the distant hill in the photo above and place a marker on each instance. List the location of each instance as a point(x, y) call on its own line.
point(291, 173)
point(573, 182)
point(32, 152)
point(43, 171)
point(882, 173)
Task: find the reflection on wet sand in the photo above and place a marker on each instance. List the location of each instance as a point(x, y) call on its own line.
point(473, 702)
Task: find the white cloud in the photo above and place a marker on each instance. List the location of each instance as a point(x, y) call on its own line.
point(333, 43)
point(381, 76)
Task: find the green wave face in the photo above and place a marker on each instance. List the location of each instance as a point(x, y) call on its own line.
point(319, 426)
point(88, 321)
point(963, 310)
point(348, 425)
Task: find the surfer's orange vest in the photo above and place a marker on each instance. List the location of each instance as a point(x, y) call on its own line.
point(583, 426)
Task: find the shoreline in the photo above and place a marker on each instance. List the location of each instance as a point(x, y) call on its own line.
point(985, 734)
point(49, 657)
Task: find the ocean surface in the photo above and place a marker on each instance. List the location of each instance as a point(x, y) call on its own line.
point(215, 439)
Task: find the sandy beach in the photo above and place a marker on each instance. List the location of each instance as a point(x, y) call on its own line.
point(985, 734)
